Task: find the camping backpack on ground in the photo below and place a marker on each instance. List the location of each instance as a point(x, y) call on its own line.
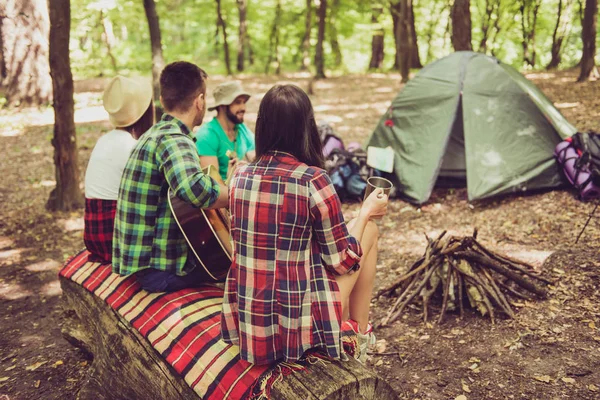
point(579, 157)
point(349, 171)
point(347, 168)
point(329, 139)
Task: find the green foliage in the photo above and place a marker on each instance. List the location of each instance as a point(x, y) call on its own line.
point(188, 29)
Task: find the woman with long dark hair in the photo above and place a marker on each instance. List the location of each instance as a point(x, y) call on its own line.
point(298, 272)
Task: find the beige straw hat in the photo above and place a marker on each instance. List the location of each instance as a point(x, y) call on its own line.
point(226, 93)
point(126, 100)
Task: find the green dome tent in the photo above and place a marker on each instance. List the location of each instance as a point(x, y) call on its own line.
point(470, 117)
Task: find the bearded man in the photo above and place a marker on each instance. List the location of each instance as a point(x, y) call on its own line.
point(226, 139)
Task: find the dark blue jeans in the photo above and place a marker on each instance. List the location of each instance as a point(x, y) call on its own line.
point(154, 280)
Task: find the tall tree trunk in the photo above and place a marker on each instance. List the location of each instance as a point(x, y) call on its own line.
point(461, 25)
point(561, 30)
point(588, 36)
point(109, 39)
point(250, 51)
point(274, 42)
point(319, 54)
point(66, 195)
point(223, 27)
point(25, 35)
point(405, 39)
point(529, 12)
point(332, 30)
point(377, 42)
point(305, 47)
point(158, 62)
point(395, 12)
point(400, 17)
point(415, 59)
point(242, 39)
point(3, 73)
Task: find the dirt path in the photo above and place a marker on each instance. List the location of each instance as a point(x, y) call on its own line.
point(551, 350)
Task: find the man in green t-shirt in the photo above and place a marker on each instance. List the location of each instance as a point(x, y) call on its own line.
point(226, 139)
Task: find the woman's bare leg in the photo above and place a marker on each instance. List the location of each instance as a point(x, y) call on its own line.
point(356, 289)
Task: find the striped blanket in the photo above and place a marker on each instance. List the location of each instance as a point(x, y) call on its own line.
point(184, 327)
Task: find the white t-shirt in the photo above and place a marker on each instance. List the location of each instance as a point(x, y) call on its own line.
point(106, 165)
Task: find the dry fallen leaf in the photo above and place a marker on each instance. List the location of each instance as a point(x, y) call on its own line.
point(542, 378)
point(381, 346)
point(37, 384)
point(460, 397)
point(3, 378)
point(59, 362)
point(567, 380)
point(35, 366)
point(592, 324)
point(11, 368)
point(592, 387)
point(465, 387)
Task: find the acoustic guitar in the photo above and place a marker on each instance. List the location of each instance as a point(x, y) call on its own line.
point(206, 232)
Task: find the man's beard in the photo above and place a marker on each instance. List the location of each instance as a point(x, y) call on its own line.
point(232, 117)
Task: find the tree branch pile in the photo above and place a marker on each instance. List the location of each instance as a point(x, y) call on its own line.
point(458, 270)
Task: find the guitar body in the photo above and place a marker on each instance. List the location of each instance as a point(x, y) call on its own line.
point(207, 234)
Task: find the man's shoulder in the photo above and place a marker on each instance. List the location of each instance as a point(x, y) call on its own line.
point(208, 130)
point(244, 129)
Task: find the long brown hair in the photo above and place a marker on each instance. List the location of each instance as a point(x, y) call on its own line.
point(145, 122)
point(286, 123)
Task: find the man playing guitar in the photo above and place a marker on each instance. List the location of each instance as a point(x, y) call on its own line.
point(147, 241)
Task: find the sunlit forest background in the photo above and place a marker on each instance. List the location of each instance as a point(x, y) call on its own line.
point(110, 36)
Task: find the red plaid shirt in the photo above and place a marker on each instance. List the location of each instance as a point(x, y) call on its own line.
point(289, 235)
point(99, 220)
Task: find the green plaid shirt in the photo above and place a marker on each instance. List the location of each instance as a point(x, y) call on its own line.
point(146, 234)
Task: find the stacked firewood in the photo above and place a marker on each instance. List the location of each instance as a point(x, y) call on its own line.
point(455, 269)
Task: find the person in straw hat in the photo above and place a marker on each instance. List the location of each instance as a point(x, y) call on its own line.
point(129, 106)
point(147, 241)
point(226, 139)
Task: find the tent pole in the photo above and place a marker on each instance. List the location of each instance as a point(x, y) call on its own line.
point(587, 222)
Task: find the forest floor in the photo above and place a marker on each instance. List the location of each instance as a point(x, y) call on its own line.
point(551, 350)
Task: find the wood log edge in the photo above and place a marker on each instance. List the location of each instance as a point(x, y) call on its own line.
point(126, 366)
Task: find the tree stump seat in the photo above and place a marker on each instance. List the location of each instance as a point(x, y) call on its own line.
point(167, 346)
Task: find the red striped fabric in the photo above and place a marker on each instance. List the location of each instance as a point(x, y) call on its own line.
point(184, 327)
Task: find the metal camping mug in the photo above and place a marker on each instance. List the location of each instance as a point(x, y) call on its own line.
point(375, 182)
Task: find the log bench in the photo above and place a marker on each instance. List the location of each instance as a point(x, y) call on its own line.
point(127, 363)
